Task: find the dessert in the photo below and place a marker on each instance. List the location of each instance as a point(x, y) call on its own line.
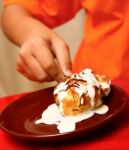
point(77, 98)
point(81, 92)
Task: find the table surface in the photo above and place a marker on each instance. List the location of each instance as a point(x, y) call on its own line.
point(114, 136)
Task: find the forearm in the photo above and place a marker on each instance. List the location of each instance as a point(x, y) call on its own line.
point(19, 25)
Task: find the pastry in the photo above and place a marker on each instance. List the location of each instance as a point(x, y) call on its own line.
point(81, 92)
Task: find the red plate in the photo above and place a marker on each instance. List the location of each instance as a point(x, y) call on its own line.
point(18, 118)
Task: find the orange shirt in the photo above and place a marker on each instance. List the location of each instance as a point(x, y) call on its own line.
point(105, 44)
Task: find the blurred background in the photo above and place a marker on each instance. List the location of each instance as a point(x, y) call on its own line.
point(11, 82)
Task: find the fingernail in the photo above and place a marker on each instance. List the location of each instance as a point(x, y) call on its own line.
point(68, 73)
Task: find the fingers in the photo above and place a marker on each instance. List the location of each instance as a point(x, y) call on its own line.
point(45, 57)
point(32, 69)
point(24, 70)
point(40, 60)
point(62, 53)
point(37, 61)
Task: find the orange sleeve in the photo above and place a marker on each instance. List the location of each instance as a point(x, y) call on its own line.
point(50, 12)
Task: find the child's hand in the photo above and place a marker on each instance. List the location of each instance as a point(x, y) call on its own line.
point(44, 58)
point(43, 55)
